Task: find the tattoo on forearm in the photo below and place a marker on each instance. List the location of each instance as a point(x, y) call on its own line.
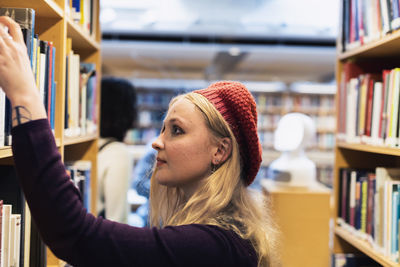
point(21, 115)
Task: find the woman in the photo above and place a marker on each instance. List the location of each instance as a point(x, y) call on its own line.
point(203, 215)
point(118, 114)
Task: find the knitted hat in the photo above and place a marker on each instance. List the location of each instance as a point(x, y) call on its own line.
point(237, 106)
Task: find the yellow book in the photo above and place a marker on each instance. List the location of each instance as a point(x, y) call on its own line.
point(362, 105)
point(395, 107)
point(389, 106)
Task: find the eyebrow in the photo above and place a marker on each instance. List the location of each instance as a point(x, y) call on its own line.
point(172, 120)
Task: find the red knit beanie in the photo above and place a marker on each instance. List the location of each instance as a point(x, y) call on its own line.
point(237, 106)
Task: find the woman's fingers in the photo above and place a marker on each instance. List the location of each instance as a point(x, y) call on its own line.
point(13, 27)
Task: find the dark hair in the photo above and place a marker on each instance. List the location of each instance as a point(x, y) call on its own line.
point(118, 107)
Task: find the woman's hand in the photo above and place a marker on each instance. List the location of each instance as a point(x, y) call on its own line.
point(16, 76)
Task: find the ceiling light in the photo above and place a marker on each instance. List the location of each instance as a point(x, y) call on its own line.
point(234, 51)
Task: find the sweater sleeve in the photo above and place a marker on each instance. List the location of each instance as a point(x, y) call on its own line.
point(81, 239)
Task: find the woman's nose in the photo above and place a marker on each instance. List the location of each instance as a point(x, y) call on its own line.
point(157, 144)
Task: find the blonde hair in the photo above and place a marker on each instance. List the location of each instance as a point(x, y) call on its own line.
point(223, 198)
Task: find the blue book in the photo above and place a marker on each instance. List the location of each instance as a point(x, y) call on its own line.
point(25, 17)
point(395, 23)
point(53, 89)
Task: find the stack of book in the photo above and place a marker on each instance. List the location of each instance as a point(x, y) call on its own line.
point(367, 21)
point(42, 56)
point(369, 207)
point(80, 95)
point(83, 13)
point(369, 106)
point(79, 172)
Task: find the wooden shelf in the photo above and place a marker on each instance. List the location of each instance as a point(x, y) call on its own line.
point(364, 247)
point(79, 139)
point(384, 47)
point(43, 8)
point(370, 149)
point(82, 41)
point(5, 152)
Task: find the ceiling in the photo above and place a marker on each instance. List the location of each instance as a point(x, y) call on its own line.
point(252, 40)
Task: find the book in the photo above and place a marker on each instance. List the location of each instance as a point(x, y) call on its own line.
point(383, 175)
point(80, 172)
point(6, 229)
point(376, 113)
point(25, 17)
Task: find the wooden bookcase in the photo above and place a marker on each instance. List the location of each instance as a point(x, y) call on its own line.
point(382, 53)
point(54, 23)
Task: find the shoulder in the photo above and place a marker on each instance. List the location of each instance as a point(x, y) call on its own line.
point(108, 146)
point(212, 241)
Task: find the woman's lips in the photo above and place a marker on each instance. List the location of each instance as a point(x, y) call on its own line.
point(160, 162)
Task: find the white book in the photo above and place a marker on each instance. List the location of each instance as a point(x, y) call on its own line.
point(6, 229)
point(13, 240)
point(42, 75)
point(383, 175)
point(17, 245)
point(27, 235)
point(83, 109)
point(385, 17)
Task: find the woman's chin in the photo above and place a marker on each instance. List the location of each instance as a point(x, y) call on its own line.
point(165, 182)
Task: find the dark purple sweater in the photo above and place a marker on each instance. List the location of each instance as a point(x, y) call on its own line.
point(84, 240)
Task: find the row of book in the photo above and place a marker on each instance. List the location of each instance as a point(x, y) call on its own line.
point(295, 101)
point(368, 20)
point(42, 56)
point(80, 172)
point(158, 100)
point(322, 122)
point(10, 236)
point(32, 250)
point(80, 95)
point(369, 107)
point(324, 141)
point(369, 207)
point(82, 12)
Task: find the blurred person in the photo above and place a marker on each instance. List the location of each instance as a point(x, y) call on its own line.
point(117, 116)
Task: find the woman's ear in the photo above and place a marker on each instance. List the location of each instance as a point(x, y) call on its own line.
point(224, 150)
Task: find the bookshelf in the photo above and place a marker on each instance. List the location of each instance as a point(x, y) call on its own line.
point(359, 149)
point(54, 22)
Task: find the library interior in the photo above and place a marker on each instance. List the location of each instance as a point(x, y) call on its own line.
point(322, 81)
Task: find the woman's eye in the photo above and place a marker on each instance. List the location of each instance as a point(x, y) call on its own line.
point(176, 130)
